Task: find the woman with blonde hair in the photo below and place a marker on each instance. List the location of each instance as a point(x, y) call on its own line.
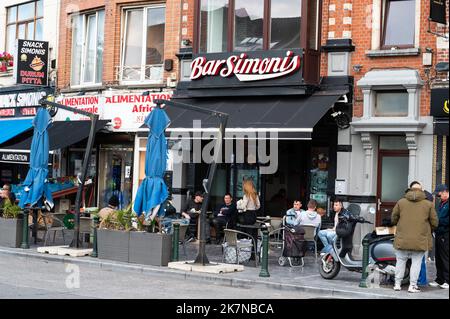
point(250, 203)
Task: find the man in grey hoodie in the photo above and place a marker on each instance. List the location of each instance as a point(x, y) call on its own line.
point(311, 217)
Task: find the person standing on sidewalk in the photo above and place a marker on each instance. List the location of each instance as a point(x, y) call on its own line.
point(415, 218)
point(441, 239)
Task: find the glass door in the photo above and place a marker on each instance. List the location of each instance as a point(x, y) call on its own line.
point(392, 181)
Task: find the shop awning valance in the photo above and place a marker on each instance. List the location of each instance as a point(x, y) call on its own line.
point(12, 127)
point(61, 134)
point(292, 117)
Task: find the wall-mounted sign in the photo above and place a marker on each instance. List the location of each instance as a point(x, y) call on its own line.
point(14, 157)
point(21, 98)
point(127, 111)
point(439, 102)
point(437, 11)
point(31, 62)
point(258, 68)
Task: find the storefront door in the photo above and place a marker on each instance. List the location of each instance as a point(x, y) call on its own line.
point(392, 181)
point(115, 174)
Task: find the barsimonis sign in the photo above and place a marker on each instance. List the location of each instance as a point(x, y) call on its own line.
point(247, 69)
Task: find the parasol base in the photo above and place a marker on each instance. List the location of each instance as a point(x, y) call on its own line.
point(65, 251)
point(212, 268)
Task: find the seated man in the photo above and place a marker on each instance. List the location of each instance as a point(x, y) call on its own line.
point(293, 214)
point(191, 212)
point(225, 214)
point(113, 205)
point(168, 214)
point(328, 236)
point(311, 217)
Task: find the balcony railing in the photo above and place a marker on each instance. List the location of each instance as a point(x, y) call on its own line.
point(137, 74)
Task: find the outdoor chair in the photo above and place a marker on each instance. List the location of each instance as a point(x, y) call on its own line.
point(52, 222)
point(310, 236)
point(231, 238)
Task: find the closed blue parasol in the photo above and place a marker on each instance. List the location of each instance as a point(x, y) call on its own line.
point(153, 190)
point(35, 185)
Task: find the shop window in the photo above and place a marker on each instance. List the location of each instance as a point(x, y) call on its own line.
point(25, 22)
point(391, 103)
point(256, 25)
point(143, 45)
point(398, 24)
point(87, 48)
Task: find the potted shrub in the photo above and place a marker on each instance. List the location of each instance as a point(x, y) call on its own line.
point(121, 237)
point(11, 226)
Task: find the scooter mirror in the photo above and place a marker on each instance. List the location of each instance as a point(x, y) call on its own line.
point(372, 210)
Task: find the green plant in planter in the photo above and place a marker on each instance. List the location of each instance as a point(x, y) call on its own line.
point(120, 220)
point(11, 211)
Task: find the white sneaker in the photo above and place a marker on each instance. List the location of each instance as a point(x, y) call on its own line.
point(434, 284)
point(444, 285)
point(413, 289)
point(397, 288)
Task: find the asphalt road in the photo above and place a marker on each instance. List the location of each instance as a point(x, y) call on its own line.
point(22, 277)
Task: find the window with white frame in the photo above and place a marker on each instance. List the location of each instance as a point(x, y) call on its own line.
point(391, 103)
point(143, 45)
point(87, 48)
point(24, 21)
point(399, 23)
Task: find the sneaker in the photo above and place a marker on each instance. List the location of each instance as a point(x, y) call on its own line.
point(413, 289)
point(444, 285)
point(397, 288)
point(434, 284)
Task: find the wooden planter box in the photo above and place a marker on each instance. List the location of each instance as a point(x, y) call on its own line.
point(134, 247)
point(113, 244)
point(150, 248)
point(11, 232)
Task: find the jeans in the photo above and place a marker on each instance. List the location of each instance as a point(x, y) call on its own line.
point(327, 238)
point(416, 262)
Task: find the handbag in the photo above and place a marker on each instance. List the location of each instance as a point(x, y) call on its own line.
point(344, 228)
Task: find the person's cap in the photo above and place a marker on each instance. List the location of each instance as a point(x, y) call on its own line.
point(441, 188)
point(198, 194)
point(114, 201)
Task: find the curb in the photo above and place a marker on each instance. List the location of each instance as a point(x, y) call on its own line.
point(233, 282)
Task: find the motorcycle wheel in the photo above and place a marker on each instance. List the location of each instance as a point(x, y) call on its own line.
point(328, 267)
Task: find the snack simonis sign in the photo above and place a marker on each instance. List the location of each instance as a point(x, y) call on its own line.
point(32, 62)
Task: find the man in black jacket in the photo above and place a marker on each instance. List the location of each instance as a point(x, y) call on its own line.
point(225, 214)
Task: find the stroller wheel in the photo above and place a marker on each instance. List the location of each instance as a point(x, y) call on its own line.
point(282, 261)
point(296, 261)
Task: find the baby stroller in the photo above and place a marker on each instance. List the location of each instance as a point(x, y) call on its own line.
point(294, 245)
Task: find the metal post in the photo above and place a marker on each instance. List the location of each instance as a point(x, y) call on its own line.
point(365, 263)
point(94, 243)
point(265, 256)
point(87, 155)
point(175, 240)
point(24, 243)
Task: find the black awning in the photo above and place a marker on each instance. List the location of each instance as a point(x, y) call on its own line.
point(292, 117)
point(441, 126)
point(61, 134)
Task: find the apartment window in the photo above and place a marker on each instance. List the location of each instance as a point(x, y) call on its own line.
point(391, 103)
point(143, 45)
point(399, 23)
point(285, 22)
point(24, 21)
point(249, 25)
point(87, 48)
